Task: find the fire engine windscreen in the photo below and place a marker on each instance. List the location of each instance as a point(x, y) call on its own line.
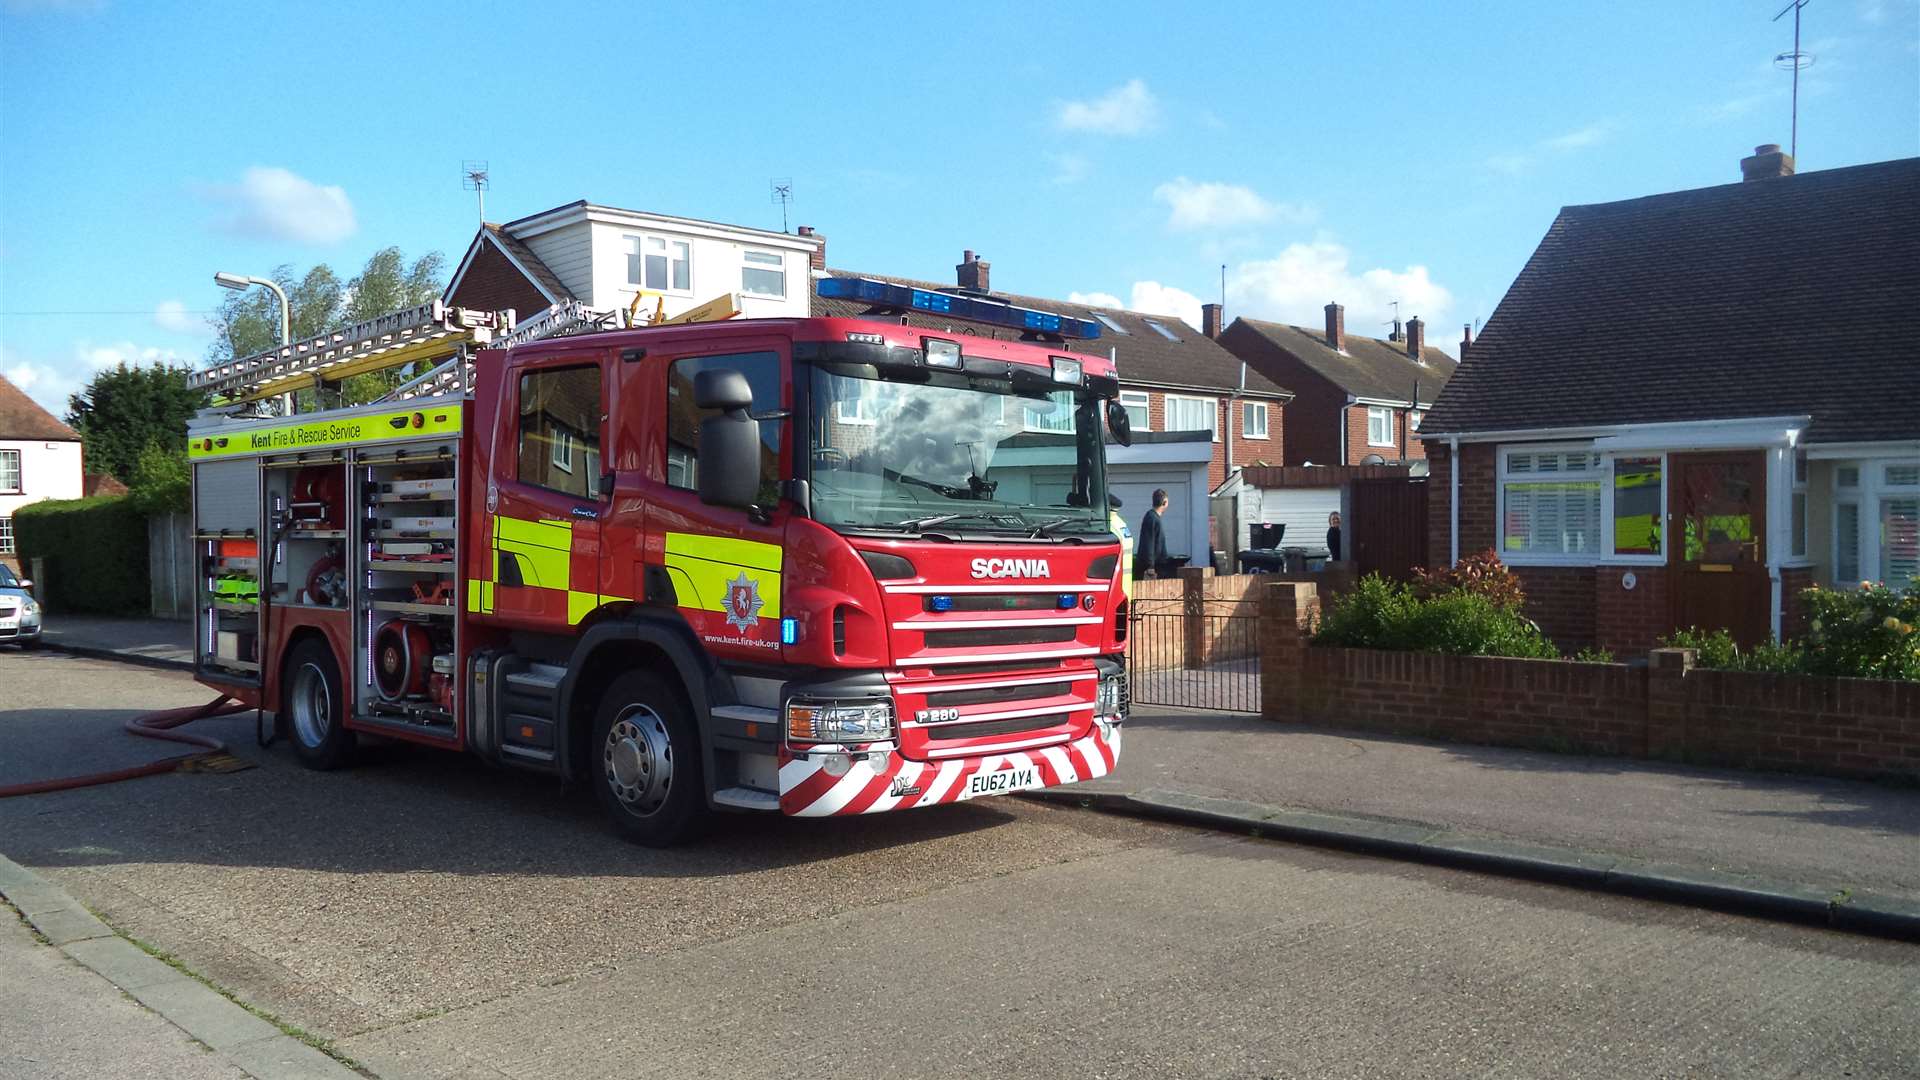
point(955, 452)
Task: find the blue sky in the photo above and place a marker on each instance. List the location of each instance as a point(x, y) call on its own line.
point(1357, 152)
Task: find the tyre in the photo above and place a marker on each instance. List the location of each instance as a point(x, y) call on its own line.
point(645, 763)
point(28, 644)
point(313, 707)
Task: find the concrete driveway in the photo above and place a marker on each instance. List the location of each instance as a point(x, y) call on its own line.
point(437, 919)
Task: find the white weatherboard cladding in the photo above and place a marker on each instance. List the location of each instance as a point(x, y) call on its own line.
point(568, 252)
point(717, 263)
point(226, 495)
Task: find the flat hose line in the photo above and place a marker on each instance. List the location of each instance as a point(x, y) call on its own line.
point(153, 725)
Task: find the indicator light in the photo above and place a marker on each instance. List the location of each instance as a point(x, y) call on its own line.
point(1067, 600)
point(941, 603)
point(789, 630)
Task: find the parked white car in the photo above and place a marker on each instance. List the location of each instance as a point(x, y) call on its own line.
point(19, 611)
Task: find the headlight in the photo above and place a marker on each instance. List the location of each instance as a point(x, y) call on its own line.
point(1113, 697)
point(838, 723)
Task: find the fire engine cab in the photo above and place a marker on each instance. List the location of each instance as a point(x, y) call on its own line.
point(805, 566)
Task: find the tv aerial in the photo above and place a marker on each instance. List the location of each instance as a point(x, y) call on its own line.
point(1794, 61)
point(473, 177)
point(782, 194)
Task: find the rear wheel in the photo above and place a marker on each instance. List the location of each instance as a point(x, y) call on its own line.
point(313, 708)
point(645, 762)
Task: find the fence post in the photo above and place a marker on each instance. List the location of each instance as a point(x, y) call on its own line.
point(1193, 608)
point(1287, 613)
point(1666, 716)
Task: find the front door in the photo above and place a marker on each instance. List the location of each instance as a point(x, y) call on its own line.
point(1718, 553)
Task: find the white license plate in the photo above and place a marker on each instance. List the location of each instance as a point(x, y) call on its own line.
point(9, 624)
point(1001, 782)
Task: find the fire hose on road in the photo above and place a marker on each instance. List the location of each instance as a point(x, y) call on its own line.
point(153, 725)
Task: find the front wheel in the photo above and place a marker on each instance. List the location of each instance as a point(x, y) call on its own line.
point(646, 762)
point(313, 708)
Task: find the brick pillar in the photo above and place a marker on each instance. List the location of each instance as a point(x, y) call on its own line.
point(1194, 582)
point(1288, 610)
point(1667, 703)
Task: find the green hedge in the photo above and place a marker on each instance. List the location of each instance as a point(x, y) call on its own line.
point(95, 552)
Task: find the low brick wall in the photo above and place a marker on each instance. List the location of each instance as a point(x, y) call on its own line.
point(1863, 728)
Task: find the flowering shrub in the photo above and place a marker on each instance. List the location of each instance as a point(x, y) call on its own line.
point(1869, 633)
point(1481, 575)
point(1872, 632)
point(1381, 614)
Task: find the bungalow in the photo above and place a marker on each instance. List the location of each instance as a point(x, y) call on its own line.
point(1691, 406)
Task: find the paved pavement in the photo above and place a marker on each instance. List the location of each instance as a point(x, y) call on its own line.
point(1836, 834)
point(437, 919)
point(158, 642)
point(60, 1021)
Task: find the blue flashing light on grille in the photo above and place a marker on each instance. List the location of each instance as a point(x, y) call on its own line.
point(789, 630)
point(970, 308)
point(940, 603)
point(1067, 600)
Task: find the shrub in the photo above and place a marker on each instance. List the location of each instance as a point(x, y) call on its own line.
point(161, 483)
point(1872, 632)
point(95, 551)
point(1380, 614)
point(1591, 655)
point(1481, 575)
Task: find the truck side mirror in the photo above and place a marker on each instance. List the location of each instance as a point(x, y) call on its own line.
point(1119, 423)
point(729, 468)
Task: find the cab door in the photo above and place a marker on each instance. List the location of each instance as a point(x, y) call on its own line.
point(546, 509)
point(724, 564)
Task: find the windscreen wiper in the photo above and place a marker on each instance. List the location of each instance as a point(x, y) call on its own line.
point(1046, 528)
point(919, 524)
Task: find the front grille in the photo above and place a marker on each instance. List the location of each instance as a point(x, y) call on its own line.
point(950, 732)
point(994, 695)
point(1015, 665)
point(1009, 635)
point(999, 602)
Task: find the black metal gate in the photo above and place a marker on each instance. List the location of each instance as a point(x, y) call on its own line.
point(1197, 659)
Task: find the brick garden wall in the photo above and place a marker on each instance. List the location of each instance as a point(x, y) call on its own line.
point(1863, 728)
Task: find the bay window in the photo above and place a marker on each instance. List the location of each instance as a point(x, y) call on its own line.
point(1577, 506)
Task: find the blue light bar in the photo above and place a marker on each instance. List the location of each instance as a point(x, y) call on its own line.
point(969, 308)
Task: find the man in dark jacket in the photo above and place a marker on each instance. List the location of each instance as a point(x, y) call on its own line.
point(1150, 551)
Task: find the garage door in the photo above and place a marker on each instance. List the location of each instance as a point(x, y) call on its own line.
point(1135, 489)
point(1302, 510)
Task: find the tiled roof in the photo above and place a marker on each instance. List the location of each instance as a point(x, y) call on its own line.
point(546, 278)
point(23, 418)
point(1369, 368)
point(1778, 297)
point(1143, 355)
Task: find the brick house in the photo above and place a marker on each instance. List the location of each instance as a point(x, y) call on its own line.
point(1357, 400)
point(1176, 382)
point(1690, 406)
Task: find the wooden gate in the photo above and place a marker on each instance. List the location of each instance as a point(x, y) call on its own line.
point(1387, 530)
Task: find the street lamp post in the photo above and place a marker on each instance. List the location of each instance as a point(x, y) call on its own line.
point(240, 282)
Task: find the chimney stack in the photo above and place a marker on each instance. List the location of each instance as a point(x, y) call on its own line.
point(818, 258)
point(1336, 328)
point(973, 272)
point(1767, 163)
point(1416, 337)
point(1466, 339)
point(1210, 318)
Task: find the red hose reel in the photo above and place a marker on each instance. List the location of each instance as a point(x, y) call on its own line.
point(403, 663)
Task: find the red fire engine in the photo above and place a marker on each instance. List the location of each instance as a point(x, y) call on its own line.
point(806, 566)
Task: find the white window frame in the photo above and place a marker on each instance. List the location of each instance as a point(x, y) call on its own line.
point(1797, 497)
point(1870, 494)
point(1376, 412)
point(861, 415)
point(19, 473)
point(6, 536)
point(1602, 472)
point(1851, 581)
point(637, 262)
point(747, 263)
point(1058, 422)
point(1414, 416)
point(562, 450)
point(1213, 413)
point(1247, 413)
point(1139, 399)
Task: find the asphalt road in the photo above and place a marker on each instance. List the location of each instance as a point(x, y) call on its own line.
point(439, 919)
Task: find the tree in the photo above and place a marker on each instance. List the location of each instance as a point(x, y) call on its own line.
point(249, 322)
point(127, 408)
point(161, 482)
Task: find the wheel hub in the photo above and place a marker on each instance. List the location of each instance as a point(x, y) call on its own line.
point(638, 760)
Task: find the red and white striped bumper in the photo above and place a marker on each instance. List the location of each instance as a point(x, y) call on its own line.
point(808, 790)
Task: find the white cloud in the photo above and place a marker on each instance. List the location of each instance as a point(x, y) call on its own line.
point(1515, 162)
point(51, 382)
point(1069, 168)
point(1149, 298)
point(1127, 109)
point(1210, 205)
point(1296, 285)
point(173, 315)
point(272, 203)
